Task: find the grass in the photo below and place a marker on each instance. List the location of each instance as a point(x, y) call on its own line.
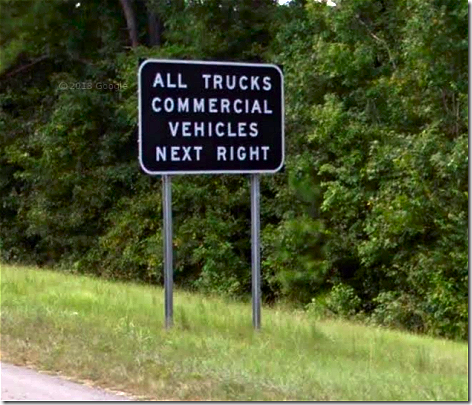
point(112, 334)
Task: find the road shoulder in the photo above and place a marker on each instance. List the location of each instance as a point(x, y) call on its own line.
point(24, 384)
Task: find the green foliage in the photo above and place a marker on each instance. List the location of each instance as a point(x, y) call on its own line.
point(374, 196)
point(131, 246)
point(223, 29)
point(343, 300)
point(398, 310)
point(387, 137)
point(295, 264)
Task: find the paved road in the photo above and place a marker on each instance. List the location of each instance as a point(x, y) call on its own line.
point(23, 384)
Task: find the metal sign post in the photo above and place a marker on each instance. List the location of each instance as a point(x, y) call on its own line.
point(256, 251)
point(168, 258)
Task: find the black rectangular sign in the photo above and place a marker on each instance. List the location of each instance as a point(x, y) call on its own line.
point(210, 117)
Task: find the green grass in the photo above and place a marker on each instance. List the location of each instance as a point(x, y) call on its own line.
point(112, 334)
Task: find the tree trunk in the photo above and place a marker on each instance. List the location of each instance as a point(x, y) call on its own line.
point(130, 21)
point(155, 29)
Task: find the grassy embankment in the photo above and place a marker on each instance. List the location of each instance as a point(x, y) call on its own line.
point(112, 334)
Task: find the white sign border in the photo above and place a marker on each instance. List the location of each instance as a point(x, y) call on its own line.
point(195, 62)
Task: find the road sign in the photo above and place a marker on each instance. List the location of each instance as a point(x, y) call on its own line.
point(200, 117)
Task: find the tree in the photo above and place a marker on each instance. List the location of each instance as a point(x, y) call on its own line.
point(130, 16)
point(370, 212)
point(380, 98)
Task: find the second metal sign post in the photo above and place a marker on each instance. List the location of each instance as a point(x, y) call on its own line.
point(198, 117)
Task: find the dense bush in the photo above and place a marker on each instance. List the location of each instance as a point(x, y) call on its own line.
point(370, 213)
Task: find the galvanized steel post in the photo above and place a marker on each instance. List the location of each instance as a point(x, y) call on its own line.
point(256, 251)
point(168, 257)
